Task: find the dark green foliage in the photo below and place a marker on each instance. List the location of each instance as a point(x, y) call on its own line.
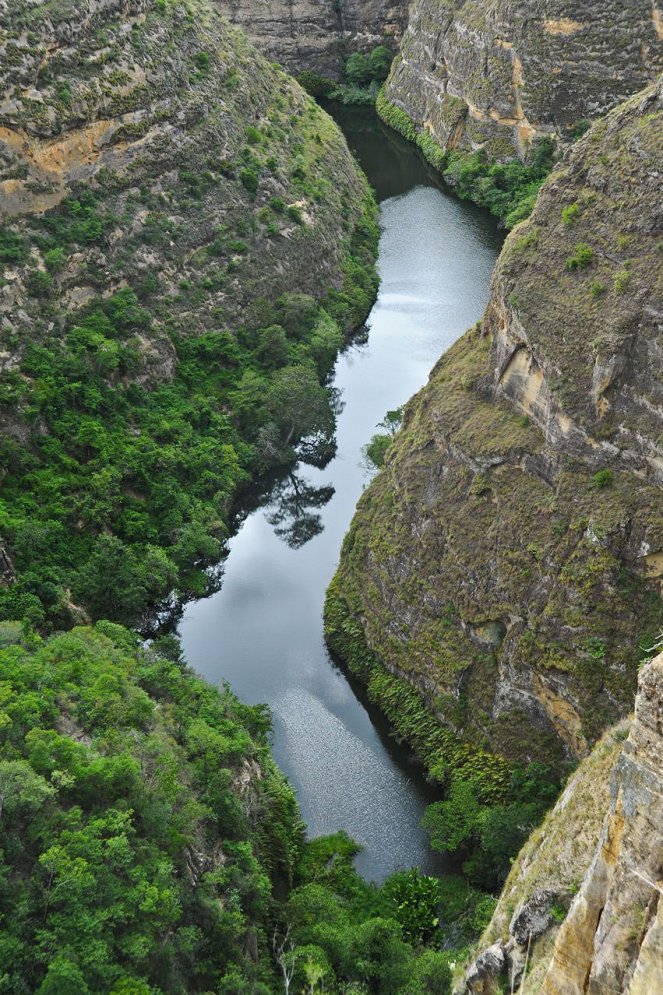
point(380, 62)
point(603, 478)
point(490, 835)
point(13, 248)
point(397, 938)
point(358, 68)
point(131, 865)
point(316, 85)
point(250, 179)
point(127, 495)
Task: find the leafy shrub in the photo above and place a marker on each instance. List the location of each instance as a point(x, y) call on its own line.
point(249, 179)
point(582, 257)
point(13, 248)
point(603, 478)
point(621, 281)
point(314, 84)
point(39, 284)
point(103, 819)
point(358, 68)
point(570, 213)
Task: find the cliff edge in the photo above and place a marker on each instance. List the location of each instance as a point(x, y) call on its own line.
point(508, 560)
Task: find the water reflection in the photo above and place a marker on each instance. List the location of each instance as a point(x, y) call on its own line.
point(290, 506)
point(263, 630)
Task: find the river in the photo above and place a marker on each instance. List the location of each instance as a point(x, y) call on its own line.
point(262, 631)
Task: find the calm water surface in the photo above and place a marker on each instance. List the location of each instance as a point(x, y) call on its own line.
point(262, 631)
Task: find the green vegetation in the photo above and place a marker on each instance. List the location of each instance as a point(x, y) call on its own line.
point(582, 257)
point(375, 451)
point(132, 862)
point(490, 806)
point(151, 845)
point(507, 189)
point(173, 321)
point(126, 495)
point(602, 479)
point(570, 213)
point(398, 939)
point(362, 77)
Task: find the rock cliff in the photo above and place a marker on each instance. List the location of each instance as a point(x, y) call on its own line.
point(495, 74)
point(318, 34)
point(580, 911)
point(508, 560)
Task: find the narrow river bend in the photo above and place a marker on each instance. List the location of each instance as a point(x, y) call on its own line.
point(262, 631)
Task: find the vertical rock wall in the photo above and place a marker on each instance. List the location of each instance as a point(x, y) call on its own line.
point(496, 73)
point(317, 34)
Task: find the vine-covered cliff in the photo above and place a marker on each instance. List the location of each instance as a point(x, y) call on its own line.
point(185, 240)
point(506, 563)
point(494, 75)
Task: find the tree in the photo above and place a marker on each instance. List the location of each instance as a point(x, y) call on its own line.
point(380, 62)
point(358, 68)
point(298, 405)
point(22, 791)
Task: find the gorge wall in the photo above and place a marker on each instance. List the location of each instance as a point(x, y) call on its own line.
point(318, 35)
point(507, 562)
point(496, 74)
point(581, 907)
point(169, 203)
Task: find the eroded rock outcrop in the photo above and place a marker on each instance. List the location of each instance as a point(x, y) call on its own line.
point(523, 496)
point(496, 74)
point(318, 34)
point(612, 938)
point(603, 841)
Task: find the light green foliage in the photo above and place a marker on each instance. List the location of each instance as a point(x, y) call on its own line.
point(621, 280)
point(362, 76)
point(396, 938)
point(582, 257)
point(375, 451)
point(570, 213)
point(135, 864)
point(126, 497)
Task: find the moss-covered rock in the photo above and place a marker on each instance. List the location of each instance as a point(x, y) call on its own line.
point(507, 561)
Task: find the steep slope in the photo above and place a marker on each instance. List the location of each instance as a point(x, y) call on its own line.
point(600, 851)
point(507, 561)
point(176, 210)
point(318, 36)
point(495, 74)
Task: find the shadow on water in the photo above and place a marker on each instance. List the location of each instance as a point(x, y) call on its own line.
point(262, 630)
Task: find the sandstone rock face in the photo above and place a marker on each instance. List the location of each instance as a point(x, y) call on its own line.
point(495, 74)
point(611, 940)
point(524, 490)
point(318, 34)
point(603, 840)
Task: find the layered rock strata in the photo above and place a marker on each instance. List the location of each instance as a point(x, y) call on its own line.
point(318, 35)
point(610, 939)
point(495, 74)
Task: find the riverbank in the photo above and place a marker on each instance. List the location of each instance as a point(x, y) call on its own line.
point(263, 629)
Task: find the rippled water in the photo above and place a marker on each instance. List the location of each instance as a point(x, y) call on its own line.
point(263, 630)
